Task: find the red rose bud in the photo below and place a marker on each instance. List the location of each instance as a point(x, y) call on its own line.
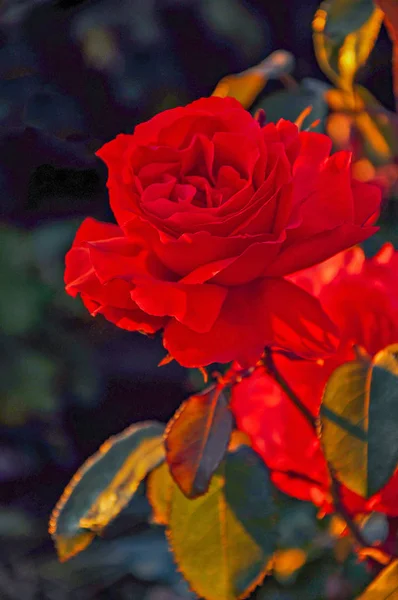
point(213, 213)
point(361, 296)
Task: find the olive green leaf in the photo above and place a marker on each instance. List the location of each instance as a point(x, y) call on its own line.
point(344, 33)
point(224, 540)
point(385, 586)
point(359, 413)
point(159, 489)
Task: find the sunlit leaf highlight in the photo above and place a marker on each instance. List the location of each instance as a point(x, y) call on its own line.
point(385, 586)
point(104, 485)
point(246, 86)
point(344, 33)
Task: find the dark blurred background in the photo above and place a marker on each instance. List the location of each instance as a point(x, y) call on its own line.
point(73, 75)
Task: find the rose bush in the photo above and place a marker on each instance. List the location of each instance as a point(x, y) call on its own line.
point(213, 212)
point(361, 297)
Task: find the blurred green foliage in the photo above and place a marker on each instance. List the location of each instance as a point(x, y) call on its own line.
point(39, 351)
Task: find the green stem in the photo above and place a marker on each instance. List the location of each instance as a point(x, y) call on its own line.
point(344, 514)
point(281, 381)
point(335, 486)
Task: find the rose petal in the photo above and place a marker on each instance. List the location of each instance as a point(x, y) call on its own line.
point(131, 320)
point(329, 201)
point(366, 202)
point(308, 252)
point(112, 153)
point(112, 297)
point(312, 155)
point(253, 316)
point(91, 229)
point(277, 429)
point(251, 264)
point(196, 306)
point(298, 321)
point(191, 251)
point(300, 487)
point(146, 132)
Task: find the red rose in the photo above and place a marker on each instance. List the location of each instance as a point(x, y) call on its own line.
point(361, 297)
point(213, 212)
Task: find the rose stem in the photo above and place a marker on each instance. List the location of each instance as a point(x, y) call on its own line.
point(340, 508)
point(281, 381)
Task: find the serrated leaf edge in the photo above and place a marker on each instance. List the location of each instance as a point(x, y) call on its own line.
point(88, 463)
point(267, 569)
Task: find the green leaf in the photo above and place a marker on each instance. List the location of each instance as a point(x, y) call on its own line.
point(160, 483)
point(311, 584)
point(246, 86)
point(223, 541)
point(197, 438)
point(144, 555)
point(287, 565)
point(297, 526)
point(290, 104)
point(137, 512)
point(375, 528)
point(159, 489)
point(357, 573)
point(104, 485)
point(385, 586)
point(345, 32)
point(358, 415)
point(389, 7)
point(345, 16)
point(378, 126)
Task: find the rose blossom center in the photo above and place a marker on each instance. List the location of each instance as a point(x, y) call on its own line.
point(204, 174)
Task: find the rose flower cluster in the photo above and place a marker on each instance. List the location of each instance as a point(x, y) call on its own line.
point(361, 296)
point(232, 238)
point(214, 212)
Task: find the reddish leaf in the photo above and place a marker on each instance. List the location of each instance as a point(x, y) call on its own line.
point(197, 438)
